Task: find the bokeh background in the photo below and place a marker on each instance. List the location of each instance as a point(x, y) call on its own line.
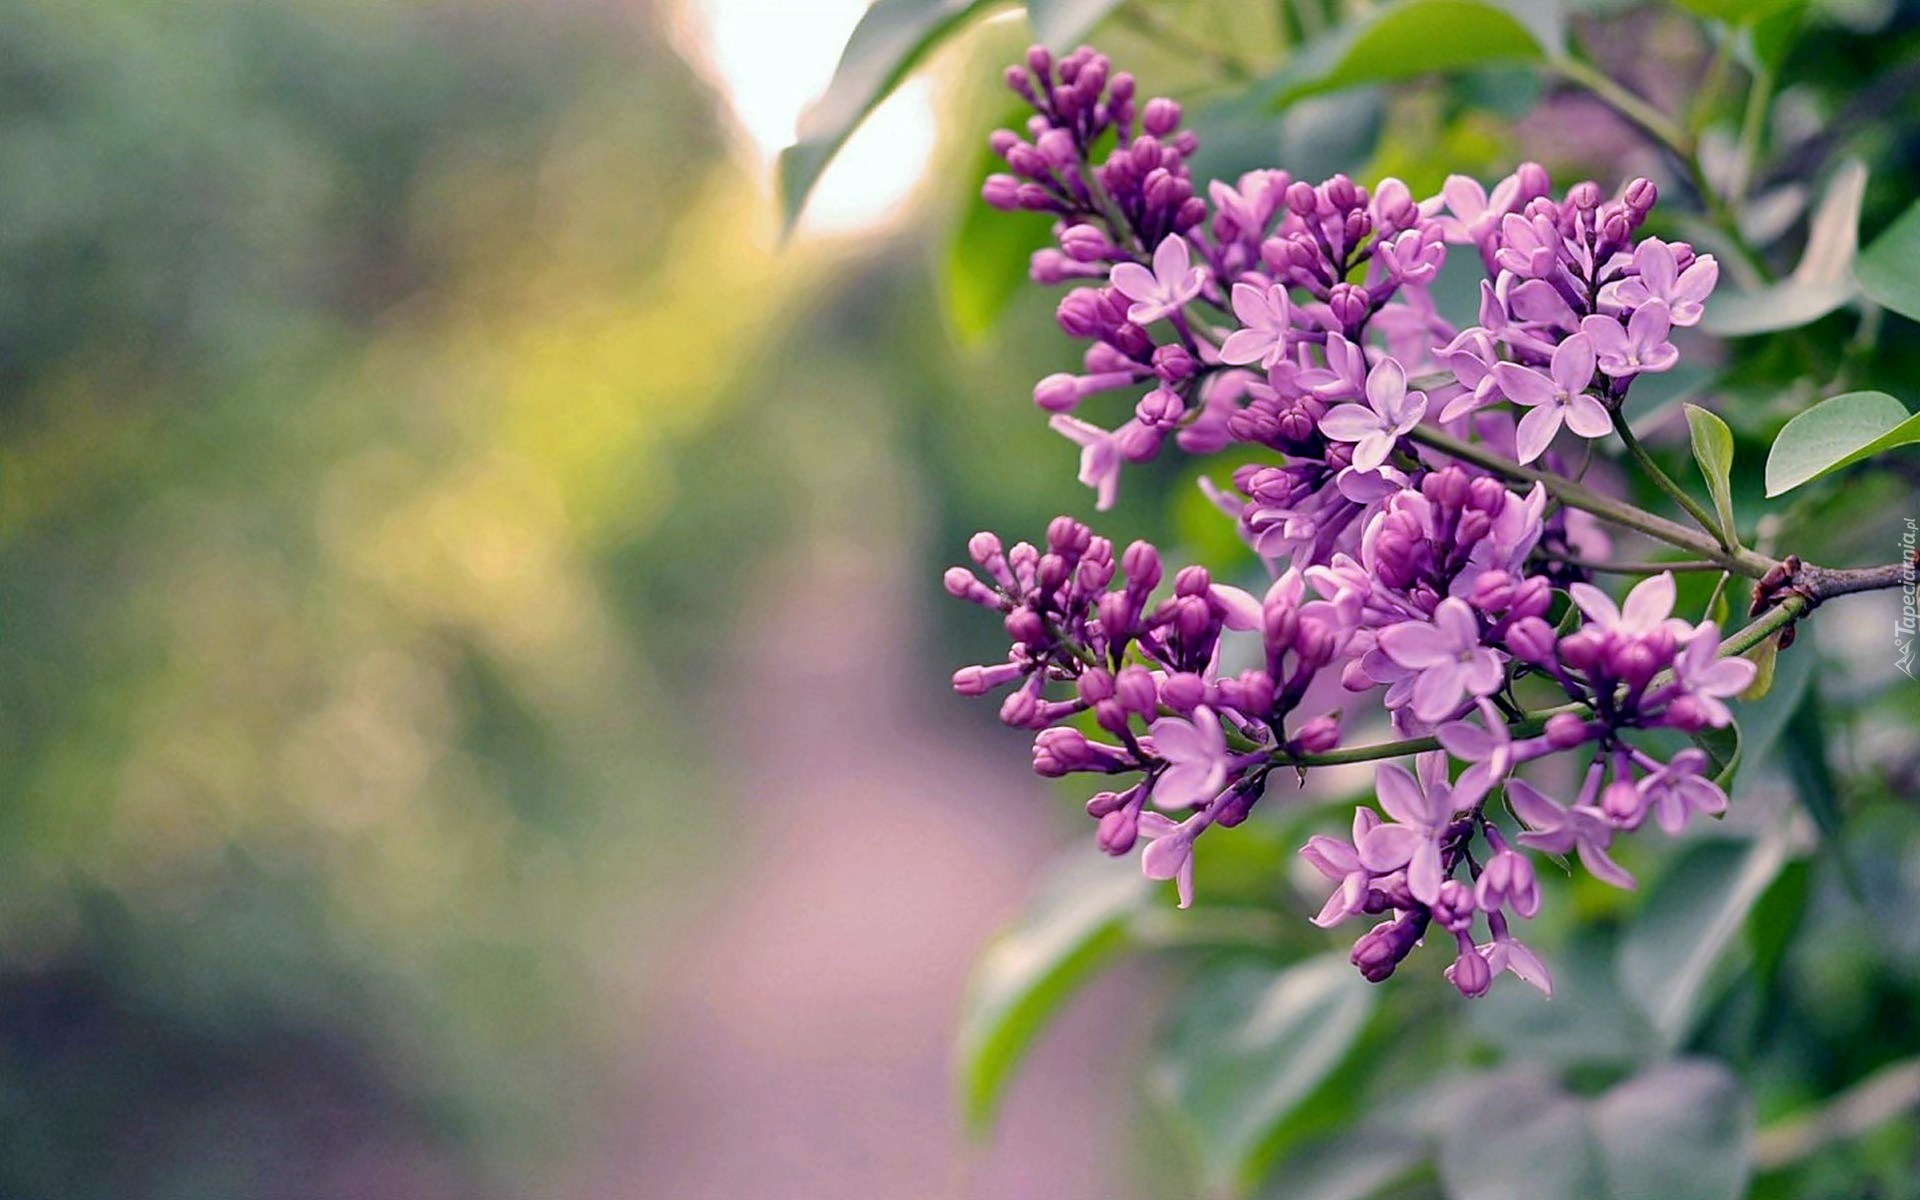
point(473, 711)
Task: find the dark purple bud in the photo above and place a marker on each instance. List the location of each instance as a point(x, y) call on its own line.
point(979, 680)
point(1019, 82)
point(1183, 692)
point(1319, 735)
point(1159, 408)
point(1492, 592)
point(1531, 598)
point(1302, 199)
point(1027, 627)
point(1138, 442)
point(1079, 313)
point(1687, 714)
point(1001, 191)
point(1584, 196)
point(1039, 60)
point(1134, 688)
point(1565, 731)
point(1068, 536)
point(1357, 226)
point(1121, 89)
point(1034, 198)
point(1173, 363)
point(1473, 526)
point(1581, 649)
point(1085, 243)
point(1447, 486)
point(1141, 562)
point(1641, 195)
point(1101, 803)
point(1118, 831)
point(1002, 140)
point(1025, 160)
point(1381, 948)
point(1455, 908)
point(1058, 148)
point(1341, 193)
point(1532, 181)
point(1349, 304)
point(1486, 494)
point(1531, 640)
point(1471, 974)
point(1160, 116)
point(1192, 211)
point(1192, 581)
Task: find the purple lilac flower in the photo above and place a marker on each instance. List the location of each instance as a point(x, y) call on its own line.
point(1558, 395)
point(1283, 317)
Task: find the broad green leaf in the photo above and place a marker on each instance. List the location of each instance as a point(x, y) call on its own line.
point(1737, 12)
point(1414, 38)
point(1248, 1046)
point(1060, 24)
point(1777, 916)
point(1820, 284)
point(1713, 450)
point(1837, 433)
point(986, 262)
point(1889, 269)
point(1518, 1136)
point(1803, 751)
point(1765, 658)
point(1677, 1131)
point(1078, 921)
point(1350, 1166)
point(891, 39)
point(1667, 957)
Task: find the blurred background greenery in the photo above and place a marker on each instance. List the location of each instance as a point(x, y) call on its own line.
point(472, 713)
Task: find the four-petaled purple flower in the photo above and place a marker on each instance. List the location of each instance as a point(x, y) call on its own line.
point(1448, 656)
point(1659, 278)
point(1641, 345)
point(1557, 396)
point(1390, 411)
point(1421, 810)
point(1165, 289)
point(1268, 317)
point(1196, 755)
point(1681, 788)
point(1557, 829)
point(1340, 862)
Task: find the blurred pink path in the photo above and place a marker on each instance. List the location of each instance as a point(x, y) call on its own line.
point(800, 1049)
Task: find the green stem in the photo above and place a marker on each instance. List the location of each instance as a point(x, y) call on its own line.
point(1610, 567)
point(1576, 495)
point(1665, 483)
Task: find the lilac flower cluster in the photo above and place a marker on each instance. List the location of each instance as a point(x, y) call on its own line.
point(1296, 318)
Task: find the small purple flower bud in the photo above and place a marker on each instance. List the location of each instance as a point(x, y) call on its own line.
point(1141, 562)
point(1581, 649)
point(1039, 60)
point(1118, 831)
point(1456, 906)
point(1025, 160)
point(1381, 948)
point(1193, 618)
point(1319, 735)
point(1079, 313)
point(1135, 690)
point(1565, 731)
point(1447, 486)
point(1173, 363)
point(1341, 193)
point(1531, 597)
point(1001, 191)
point(1057, 147)
point(1085, 243)
point(1138, 442)
point(1623, 803)
point(1183, 692)
point(1101, 803)
point(1192, 581)
point(1640, 196)
point(1160, 117)
point(1059, 392)
point(1302, 198)
point(1349, 303)
point(1159, 408)
point(979, 680)
point(1531, 640)
point(1584, 196)
point(1470, 972)
point(1027, 627)
point(1095, 685)
point(1687, 713)
point(1492, 592)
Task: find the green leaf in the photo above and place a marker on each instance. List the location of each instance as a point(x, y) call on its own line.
point(986, 261)
point(1350, 1166)
point(1837, 433)
point(1677, 1131)
point(1820, 284)
point(1060, 24)
point(1804, 751)
point(1680, 1131)
point(1713, 450)
point(1078, 921)
point(891, 39)
point(1248, 1046)
point(1766, 659)
point(1889, 270)
point(1737, 12)
point(1723, 751)
point(1414, 38)
point(1667, 957)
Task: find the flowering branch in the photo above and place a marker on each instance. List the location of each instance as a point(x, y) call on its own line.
point(1400, 488)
